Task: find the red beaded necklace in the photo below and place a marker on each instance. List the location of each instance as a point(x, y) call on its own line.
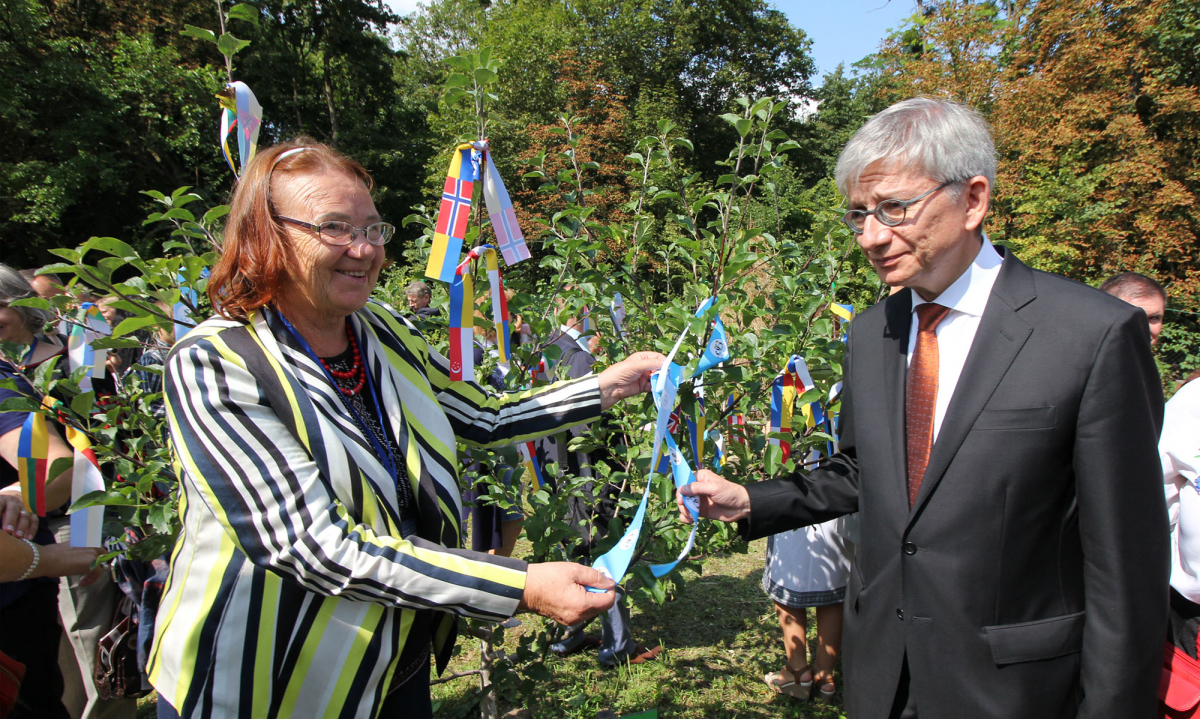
point(356, 373)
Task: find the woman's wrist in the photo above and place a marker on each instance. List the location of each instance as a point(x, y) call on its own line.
point(35, 559)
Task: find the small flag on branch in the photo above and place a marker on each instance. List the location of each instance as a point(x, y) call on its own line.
point(529, 460)
point(462, 314)
point(617, 312)
point(500, 211)
point(717, 349)
point(240, 113)
point(736, 421)
point(80, 353)
point(453, 214)
point(33, 448)
point(87, 525)
point(791, 383)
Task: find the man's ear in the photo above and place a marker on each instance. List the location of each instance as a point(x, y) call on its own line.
point(976, 197)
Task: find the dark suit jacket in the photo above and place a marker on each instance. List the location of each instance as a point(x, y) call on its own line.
point(1029, 578)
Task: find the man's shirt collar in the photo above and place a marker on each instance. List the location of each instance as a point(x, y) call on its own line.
point(969, 293)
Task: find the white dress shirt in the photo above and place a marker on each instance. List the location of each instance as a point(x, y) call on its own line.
point(966, 297)
point(1179, 449)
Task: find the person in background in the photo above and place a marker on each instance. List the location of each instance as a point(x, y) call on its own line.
point(418, 296)
point(86, 610)
point(45, 285)
point(1140, 291)
point(315, 433)
point(1179, 450)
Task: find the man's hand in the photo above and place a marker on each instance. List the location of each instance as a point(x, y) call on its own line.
point(558, 591)
point(629, 377)
point(719, 498)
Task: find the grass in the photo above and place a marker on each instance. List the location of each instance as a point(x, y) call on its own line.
point(720, 636)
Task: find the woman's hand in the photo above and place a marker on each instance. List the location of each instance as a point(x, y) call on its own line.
point(14, 518)
point(719, 498)
point(558, 591)
point(629, 377)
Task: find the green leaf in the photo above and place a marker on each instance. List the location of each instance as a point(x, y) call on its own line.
point(242, 11)
point(132, 324)
point(60, 465)
point(216, 213)
point(743, 126)
point(199, 33)
point(81, 404)
point(483, 76)
point(109, 245)
point(230, 45)
point(36, 302)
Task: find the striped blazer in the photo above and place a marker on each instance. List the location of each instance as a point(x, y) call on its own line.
point(291, 589)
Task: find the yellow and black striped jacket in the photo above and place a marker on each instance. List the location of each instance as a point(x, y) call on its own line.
point(291, 590)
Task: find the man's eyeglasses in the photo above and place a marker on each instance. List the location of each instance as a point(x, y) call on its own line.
point(338, 233)
point(888, 212)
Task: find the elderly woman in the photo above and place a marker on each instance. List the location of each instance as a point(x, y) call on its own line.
point(315, 433)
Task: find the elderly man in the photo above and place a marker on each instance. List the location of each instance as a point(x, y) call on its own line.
point(999, 432)
point(418, 296)
point(1140, 291)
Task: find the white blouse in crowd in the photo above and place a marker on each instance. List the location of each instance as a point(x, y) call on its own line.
point(1179, 449)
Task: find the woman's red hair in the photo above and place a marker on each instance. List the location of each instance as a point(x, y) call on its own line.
point(257, 257)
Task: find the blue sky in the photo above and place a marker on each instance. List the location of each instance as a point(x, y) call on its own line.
point(841, 30)
point(844, 30)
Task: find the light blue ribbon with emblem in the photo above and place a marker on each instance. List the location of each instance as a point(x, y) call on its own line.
point(664, 386)
point(683, 475)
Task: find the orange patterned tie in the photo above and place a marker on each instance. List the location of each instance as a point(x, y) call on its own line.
point(920, 395)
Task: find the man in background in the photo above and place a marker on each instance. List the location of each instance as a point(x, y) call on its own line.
point(418, 296)
point(1140, 291)
point(46, 286)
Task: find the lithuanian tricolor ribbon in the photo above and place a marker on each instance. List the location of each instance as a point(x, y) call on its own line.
point(470, 163)
point(241, 113)
point(87, 525)
point(462, 314)
point(80, 353)
point(792, 382)
point(33, 448)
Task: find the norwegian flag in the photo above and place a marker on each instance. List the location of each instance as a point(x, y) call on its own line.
point(455, 210)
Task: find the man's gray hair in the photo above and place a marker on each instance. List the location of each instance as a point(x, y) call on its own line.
point(418, 288)
point(940, 139)
point(15, 287)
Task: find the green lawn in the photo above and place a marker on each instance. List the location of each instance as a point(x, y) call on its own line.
point(720, 635)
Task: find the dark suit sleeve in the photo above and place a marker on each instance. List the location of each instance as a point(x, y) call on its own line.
point(1122, 526)
point(804, 498)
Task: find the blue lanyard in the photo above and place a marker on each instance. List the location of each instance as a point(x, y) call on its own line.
point(384, 453)
point(29, 355)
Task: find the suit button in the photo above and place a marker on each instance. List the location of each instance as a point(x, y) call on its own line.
point(900, 614)
point(910, 548)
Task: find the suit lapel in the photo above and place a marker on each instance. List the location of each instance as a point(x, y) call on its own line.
point(1001, 335)
point(898, 317)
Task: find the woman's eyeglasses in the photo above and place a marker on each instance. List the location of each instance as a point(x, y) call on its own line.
point(338, 233)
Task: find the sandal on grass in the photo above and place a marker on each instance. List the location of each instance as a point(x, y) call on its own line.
point(825, 692)
point(789, 681)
